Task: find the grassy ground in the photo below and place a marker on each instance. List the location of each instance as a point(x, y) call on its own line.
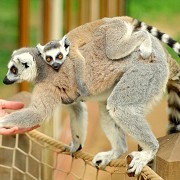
point(162, 14)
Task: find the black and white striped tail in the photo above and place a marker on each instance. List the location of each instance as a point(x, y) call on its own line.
point(160, 35)
point(174, 106)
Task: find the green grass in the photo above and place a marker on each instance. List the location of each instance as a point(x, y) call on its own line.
point(152, 9)
point(8, 32)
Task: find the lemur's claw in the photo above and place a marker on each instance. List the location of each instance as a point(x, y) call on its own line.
point(128, 160)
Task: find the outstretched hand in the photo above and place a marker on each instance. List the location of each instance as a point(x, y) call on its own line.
point(14, 106)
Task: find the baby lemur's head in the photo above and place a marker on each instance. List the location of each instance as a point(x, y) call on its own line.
point(21, 67)
point(54, 53)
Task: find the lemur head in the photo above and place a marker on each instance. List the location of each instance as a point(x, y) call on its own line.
point(21, 67)
point(54, 53)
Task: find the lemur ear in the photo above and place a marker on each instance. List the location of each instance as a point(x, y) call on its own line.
point(14, 52)
point(40, 48)
point(65, 42)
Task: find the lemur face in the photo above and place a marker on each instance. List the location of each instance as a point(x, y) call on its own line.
point(54, 53)
point(21, 67)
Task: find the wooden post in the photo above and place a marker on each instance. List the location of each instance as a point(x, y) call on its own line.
point(120, 7)
point(56, 19)
point(94, 10)
point(46, 20)
point(67, 16)
point(84, 11)
point(168, 157)
point(104, 8)
point(23, 32)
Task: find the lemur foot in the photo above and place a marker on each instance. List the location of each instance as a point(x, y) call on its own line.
point(138, 161)
point(74, 147)
point(102, 159)
point(145, 53)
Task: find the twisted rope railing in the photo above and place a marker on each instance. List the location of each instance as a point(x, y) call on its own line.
point(147, 173)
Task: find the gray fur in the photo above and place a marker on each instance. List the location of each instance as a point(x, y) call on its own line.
point(125, 90)
point(122, 35)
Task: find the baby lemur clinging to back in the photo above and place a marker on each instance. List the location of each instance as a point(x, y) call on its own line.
point(121, 35)
point(125, 89)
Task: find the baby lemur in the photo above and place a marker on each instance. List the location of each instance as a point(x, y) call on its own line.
point(124, 88)
point(121, 35)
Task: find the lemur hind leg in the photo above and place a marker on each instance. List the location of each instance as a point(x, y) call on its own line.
point(114, 134)
point(127, 105)
point(79, 121)
point(122, 40)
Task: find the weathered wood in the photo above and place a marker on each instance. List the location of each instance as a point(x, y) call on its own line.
point(46, 20)
point(168, 157)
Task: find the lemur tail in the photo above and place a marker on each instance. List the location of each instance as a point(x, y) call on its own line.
point(158, 34)
point(173, 88)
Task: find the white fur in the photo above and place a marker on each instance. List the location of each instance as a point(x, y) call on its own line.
point(178, 128)
point(177, 77)
point(129, 30)
point(165, 38)
point(24, 74)
point(173, 97)
point(143, 26)
point(140, 159)
point(154, 31)
point(176, 47)
point(54, 52)
point(40, 48)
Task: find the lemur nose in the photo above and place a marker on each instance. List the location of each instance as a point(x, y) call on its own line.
point(7, 81)
point(56, 66)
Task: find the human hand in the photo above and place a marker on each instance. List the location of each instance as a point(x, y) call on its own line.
point(9, 105)
point(16, 130)
point(15, 106)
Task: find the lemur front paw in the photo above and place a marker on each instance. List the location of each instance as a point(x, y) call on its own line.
point(74, 147)
point(139, 160)
point(102, 159)
point(145, 53)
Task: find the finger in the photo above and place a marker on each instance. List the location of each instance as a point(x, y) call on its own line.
point(2, 113)
point(11, 105)
point(4, 131)
point(24, 130)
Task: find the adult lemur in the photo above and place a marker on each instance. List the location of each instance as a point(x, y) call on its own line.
point(125, 89)
point(121, 35)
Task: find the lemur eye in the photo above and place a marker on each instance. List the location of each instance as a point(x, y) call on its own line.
point(48, 58)
point(60, 56)
point(14, 70)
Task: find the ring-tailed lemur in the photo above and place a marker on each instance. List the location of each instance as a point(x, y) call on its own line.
point(122, 35)
point(124, 89)
point(52, 58)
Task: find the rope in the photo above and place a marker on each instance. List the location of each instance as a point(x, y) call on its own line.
point(147, 172)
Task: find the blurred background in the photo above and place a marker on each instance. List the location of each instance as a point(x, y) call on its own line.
point(28, 22)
